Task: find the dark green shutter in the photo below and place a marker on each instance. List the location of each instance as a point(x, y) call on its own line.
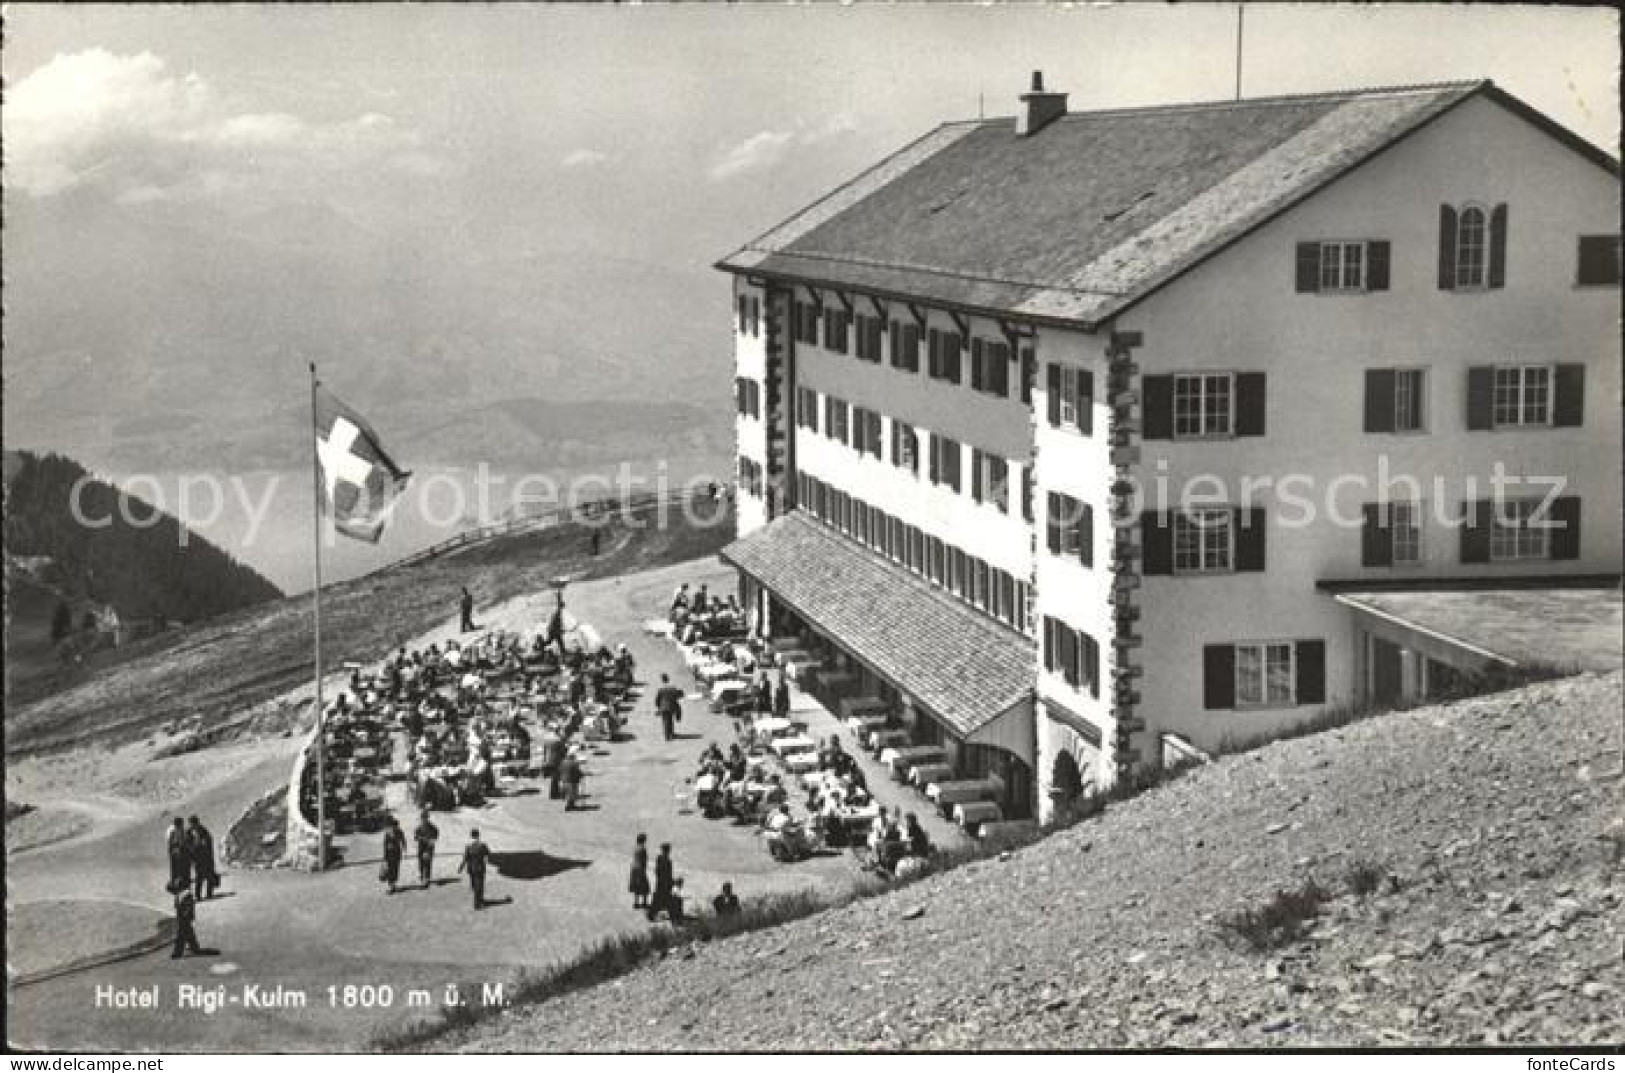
point(1311, 685)
point(1308, 262)
point(1475, 531)
point(1156, 544)
point(1379, 400)
point(1053, 390)
point(1052, 523)
point(978, 377)
point(1480, 398)
point(1599, 261)
point(1565, 532)
point(1498, 246)
point(1376, 269)
point(1447, 248)
point(1251, 524)
point(1218, 677)
point(1029, 372)
point(1376, 536)
point(1086, 535)
point(1086, 402)
point(1568, 396)
point(1250, 404)
point(1158, 408)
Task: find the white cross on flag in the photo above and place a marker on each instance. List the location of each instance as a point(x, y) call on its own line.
point(359, 481)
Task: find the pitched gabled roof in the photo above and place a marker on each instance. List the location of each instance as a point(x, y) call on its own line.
point(961, 666)
point(1096, 210)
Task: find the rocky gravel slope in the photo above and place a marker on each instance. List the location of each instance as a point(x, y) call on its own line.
point(1496, 819)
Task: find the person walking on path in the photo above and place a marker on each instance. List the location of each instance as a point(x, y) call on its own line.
point(180, 856)
point(781, 697)
point(570, 776)
point(664, 882)
point(394, 850)
point(475, 854)
point(638, 884)
point(185, 916)
point(669, 706)
point(200, 849)
point(466, 604)
point(426, 835)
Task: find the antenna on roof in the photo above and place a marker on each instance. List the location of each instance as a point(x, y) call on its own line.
point(1241, 16)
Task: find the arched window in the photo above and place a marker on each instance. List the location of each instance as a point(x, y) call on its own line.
point(1471, 241)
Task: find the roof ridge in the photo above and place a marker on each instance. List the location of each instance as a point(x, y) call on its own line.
point(1465, 85)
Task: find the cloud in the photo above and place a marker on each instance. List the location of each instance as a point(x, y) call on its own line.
point(128, 124)
point(753, 154)
point(583, 158)
point(768, 148)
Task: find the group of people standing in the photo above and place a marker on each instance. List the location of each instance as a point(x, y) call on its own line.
point(666, 893)
point(191, 858)
point(192, 875)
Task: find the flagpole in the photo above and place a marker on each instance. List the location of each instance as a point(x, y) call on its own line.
point(321, 717)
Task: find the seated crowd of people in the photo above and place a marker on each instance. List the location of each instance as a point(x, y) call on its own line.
point(839, 809)
point(700, 616)
point(468, 713)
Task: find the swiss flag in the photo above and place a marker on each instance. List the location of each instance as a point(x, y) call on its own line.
point(359, 481)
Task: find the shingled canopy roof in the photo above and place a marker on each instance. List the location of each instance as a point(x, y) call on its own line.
point(1095, 210)
point(965, 669)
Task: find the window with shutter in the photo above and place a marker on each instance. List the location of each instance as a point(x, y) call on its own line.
point(1052, 394)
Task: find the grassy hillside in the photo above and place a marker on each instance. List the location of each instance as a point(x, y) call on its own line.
point(218, 669)
point(79, 543)
point(1442, 876)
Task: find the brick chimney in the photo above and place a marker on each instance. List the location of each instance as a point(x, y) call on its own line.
point(1038, 107)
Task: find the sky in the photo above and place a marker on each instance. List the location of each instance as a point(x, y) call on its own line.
point(671, 131)
point(445, 204)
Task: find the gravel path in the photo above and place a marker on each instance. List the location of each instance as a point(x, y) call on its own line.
point(1498, 819)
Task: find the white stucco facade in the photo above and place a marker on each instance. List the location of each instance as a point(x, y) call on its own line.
point(1312, 469)
point(1238, 312)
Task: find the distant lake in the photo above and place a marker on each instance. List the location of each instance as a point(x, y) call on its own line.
point(440, 503)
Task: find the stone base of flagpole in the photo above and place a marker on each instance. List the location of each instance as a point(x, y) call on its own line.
point(304, 841)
